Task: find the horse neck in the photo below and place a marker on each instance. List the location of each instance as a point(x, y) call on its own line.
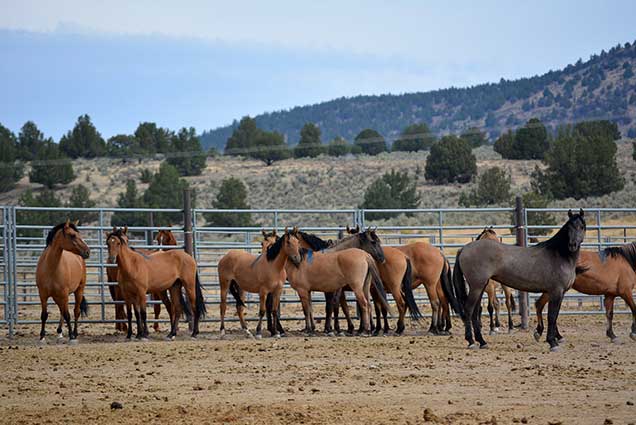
point(125, 258)
point(280, 261)
point(53, 253)
point(350, 242)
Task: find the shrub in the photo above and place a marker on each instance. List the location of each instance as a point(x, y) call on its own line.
point(129, 199)
point(393, 190)
point(534, 199)
point(46, 198)
point(310, 144)
point(338, 147)
point(415, 137)
point(80, 198)
point(186, 155)
point(474, 137)
point(370, 142)
point(51, 167)
point(451, 160)
point(83, 141)
point(232, 195)
point(493, 187)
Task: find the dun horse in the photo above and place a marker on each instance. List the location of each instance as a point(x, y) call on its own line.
point(165, 270)
point(164, 237)
point(61, 270)
point(549, 267)
point(491, 291)
point(240, 271)
point(612, 274)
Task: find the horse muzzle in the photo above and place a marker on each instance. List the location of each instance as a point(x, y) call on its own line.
point(295, 260)
point(86, 254)
point(112, 259)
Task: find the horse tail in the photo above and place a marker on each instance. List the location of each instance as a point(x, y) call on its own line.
point(235, 290)
point(377, 283)
point(187, 309)
point(456, 293)
point(84, 307)
point(407, 289)
point(200, 302)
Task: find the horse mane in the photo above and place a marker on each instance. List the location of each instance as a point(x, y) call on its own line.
point(628, 252)
point(483, 232)
point(53, 232)
point(559, 242)
point(274, 249)
point(314, 241)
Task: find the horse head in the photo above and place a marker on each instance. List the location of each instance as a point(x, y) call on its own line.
point(488, 233)
point(115, 240)
point(576, 230)
point(71, 240)
point(370, 242)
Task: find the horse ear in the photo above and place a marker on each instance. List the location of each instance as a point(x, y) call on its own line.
point(570, 213)
point(286, 229)
point(114, 229)
point(264, 233)
point(76, 223)
point(348, 229)
point(273, 232)
point(581, 213)
point(68, 222)
point(125, 232)
point(357, 228)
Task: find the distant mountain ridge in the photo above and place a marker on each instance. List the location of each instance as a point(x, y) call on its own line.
point(603, 87)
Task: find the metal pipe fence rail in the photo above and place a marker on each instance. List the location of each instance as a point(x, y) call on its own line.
point(24, 231)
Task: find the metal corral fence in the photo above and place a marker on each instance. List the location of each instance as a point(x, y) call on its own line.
point(23, 241)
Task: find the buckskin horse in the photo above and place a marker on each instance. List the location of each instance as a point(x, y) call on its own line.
point(548, 267)
point(164, 270)
point(240, 271)
point(611, 273)
point(61, 270)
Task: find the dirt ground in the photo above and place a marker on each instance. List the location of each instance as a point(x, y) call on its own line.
point(320, 380)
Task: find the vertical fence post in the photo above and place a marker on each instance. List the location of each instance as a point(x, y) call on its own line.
point(187, 221)
point(149, 232)
point(102, 269)
point(520, 228)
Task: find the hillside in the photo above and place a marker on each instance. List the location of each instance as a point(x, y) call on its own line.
point(323, 182)
point(602, 87)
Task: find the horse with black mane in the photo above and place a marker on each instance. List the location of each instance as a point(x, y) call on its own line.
point(548, 267)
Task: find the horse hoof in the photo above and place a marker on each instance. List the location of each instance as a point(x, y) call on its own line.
point(633, 336)
point(277, 336)
point(342, 334)
point(615, 340)
point(60, 336)
point(170, 338)
point(73, 341)
point(492, 332)
point(483, 347)
point(554, 349)
point(537, 336)
point(497, 329)
point(473, 346)
point(144, 339)
point(258, 336)
point(331, 334)
point(42, 341)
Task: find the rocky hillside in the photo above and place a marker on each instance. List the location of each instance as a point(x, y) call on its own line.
point(602, 87)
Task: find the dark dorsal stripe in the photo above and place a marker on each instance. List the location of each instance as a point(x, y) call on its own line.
point(53, 232)
point(628, 252)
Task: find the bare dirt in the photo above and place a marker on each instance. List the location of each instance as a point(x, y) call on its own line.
point(321, 380)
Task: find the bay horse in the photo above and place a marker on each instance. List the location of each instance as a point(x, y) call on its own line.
point(429, 268)
point(548, 267)
point(241, 272)
point(61, 270)
point(164, 237)
point(491, 291)
point(611, 273)
point(164, 270)
point(394, 269)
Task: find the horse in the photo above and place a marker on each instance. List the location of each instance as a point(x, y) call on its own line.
point(330, 271)
point(611, 273)
point(61, 270)
point(394, 269)
point(164, 270)
point(548, 267)
point(164, 237)
point(491, 291)
point(429, 268)
point(240, 271)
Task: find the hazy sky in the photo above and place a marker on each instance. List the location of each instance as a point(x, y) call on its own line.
point(203, 63)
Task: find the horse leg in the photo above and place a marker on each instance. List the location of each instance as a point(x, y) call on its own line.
point(262, 298)
point(241, 313)
point(328, 313)
point(138, 320)
point(554, 306)
point(538, 305)
point(346, 312)
point(492, 299)
point(629, 300)
point(44, 315)
point(62, 303)
point(508, 296)
point(378, 319)
point(385, 318)
point(435, 306)
point(129, 317)
point(401, 307)
point(470, 311)
point(223, 306)
point(174, 311)
point(609, 314)
point(76, 310)
point(120, 315)
point(275, 313)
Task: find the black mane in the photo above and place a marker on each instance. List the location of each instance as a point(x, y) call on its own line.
point(274, 249)
point(53, 232)
point(118, 234)
point(628, 252)
point(314, 241)
point(560, 241)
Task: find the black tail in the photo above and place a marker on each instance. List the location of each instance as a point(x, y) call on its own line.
point(84, 307)
point(187, 308)
point(407, 289)
point(456, 293)
point(377, 284)
point(201, 310)
point(235, 290)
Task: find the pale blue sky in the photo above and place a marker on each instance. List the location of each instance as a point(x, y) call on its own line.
point(203, 63)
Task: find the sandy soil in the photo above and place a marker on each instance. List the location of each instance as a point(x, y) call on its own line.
point(322, 380)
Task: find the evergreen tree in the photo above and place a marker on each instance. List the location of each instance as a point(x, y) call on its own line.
point(370, 142)
point(152, 139)
point(310, 144)
point(531, 141)
point(129, 199)
point(80, 198)
point(270, 147)
point(504, 144)
point(10, 170)
point(415, 137)
point(493, 187)
point(394, 190)
point(534, 199)
point(338, 147)
point(232, 195)
point(46, 198)
point(474, 137)
point(83, 141)
point(243, 138)
point(30, 141)
point(122, 145)
point(51, 167)
point(187, 155)
point(166, 191)
point(579, 164)
point(451, 160)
